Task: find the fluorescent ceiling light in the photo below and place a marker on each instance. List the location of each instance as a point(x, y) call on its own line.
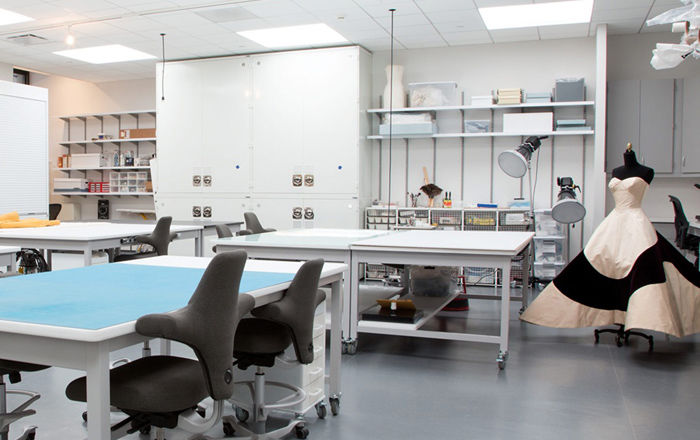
point(292, 36)
point(9, 17)
point(112, 53)
point(537, 14)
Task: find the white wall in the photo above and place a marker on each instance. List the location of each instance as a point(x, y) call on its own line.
point(68, 97)
point(6, 72)
point(628, 58)
point(478, 69)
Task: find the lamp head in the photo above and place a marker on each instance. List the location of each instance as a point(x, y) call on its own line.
point(567, 209)
point(515, 162)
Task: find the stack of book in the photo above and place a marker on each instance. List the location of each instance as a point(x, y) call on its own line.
point(571, 125)
point(538, 97)
point(509, 96)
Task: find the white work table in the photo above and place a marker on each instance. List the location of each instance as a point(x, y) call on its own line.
point(86, 237)
point(75, 318)
point(8, 257)
point(442, 248)
point(306, 244)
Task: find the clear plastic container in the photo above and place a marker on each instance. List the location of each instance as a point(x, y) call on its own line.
point(433, 94)
point(548, 271)
point(545, 225)
point(549, 249)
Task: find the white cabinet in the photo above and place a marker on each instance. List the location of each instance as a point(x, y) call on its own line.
point(277, 128)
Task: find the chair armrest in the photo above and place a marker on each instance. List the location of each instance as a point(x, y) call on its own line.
point(144, 239)
point(173, 236)
point(244, 232)
point(269, 229)
point(158, 325)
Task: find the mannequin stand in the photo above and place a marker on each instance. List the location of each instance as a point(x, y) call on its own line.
point(623, 335)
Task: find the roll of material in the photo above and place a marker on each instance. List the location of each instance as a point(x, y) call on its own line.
point(679, 27)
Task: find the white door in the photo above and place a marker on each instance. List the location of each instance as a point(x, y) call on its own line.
point(225, 92)
point(331, 213)
point(279, 213)
point(278, 95)
point(331, 120)
point(179, 119)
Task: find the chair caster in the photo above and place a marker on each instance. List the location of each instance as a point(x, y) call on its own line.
point(349, 346)
point(321, 410)
point(335, 405)
point(301, 432)
point(228, 429)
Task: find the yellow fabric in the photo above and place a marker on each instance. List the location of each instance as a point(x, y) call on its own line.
point(10, 216)
point(25, 223)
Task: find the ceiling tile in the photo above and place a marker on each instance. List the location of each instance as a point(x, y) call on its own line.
point(491, 3)
point(273, 8)
point(469, 37)
point(602, 5)
point(445, 5)
point(564, 31)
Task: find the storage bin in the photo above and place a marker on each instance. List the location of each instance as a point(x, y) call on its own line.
point(477, 126)
point(68, 184)
point(528, 123)
point(418, 128)
point(545, 225)
point(549, 249)
point(482, 100)
point(89, 160)
point(569, 89)
point(547, 271)
point(432, 94)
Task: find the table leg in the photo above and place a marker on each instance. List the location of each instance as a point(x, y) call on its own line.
point(352, 306)
point(49, 259)
point(97, 370)
point(165, 347)
point(87, 257)
point(13, 263)
point(199, 243)
point(336, 342)
point(347, 289)
point(505, 314)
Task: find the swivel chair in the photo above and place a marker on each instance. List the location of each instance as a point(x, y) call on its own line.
point(253, 225)
point(261, 339)
point(160, 239)
point(13, 369)
point(222, 231)
point(684, 240)
point(163, 391)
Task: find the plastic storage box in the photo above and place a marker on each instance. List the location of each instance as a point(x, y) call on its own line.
point(68, 184)
point(547, 271)
point(477, 126)
point(569, 89)
point(89, 160)
point(528, 123)
point(418, 128)
point(432, 94)
point(549, 249)
point(545, 225)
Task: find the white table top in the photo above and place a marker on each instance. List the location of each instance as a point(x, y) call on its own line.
point(695, 226)
point(9, 249)
point(317, 238)
point(481, 242)
point(86, 231)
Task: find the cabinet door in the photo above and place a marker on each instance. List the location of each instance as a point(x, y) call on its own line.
point(278, 109)
point(179, 143)
point(331, 120)
point(225, 93)
point(656, 124)
point(279, 213)
point(332, 213)
point(690, 159)
point(623, 120)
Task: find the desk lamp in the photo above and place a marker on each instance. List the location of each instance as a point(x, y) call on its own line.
point(516, 162)
point(567, 209)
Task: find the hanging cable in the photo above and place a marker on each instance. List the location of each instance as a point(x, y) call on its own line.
point(391, 111)
point(162, 69)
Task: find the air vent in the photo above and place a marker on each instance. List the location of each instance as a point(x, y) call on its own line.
point(226, 14)
point(27, 39)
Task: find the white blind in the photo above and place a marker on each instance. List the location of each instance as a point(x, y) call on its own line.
point(24, 174)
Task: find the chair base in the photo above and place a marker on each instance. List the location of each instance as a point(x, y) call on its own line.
point(622, 335)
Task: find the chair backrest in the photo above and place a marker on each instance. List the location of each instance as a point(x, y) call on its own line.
point(680, 221)
point(161, 237)
point(253, 224)
point(223, 231)
point(208, 323)
point(297, 307)
point(54, 210)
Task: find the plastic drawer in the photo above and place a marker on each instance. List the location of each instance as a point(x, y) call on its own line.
point(548, 271)
point(549, 249)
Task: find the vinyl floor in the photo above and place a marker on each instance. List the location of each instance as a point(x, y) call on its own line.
point(557, 384)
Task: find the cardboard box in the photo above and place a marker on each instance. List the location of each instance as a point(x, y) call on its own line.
point(137, 133)
point(89, 160)
point(528, 123)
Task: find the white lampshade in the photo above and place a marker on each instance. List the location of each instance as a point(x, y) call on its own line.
point(567, 209)
point(514, 162)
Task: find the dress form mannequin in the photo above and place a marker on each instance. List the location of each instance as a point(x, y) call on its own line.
point(632, 168)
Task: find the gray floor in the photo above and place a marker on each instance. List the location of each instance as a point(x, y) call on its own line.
point(557, 384)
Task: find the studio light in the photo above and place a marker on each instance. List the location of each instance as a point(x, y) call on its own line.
point(515, 162)
point(567, 209)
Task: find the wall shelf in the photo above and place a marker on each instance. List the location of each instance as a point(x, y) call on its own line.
point(87, 194)
point(484, 135)
point(134, 113)
point(483, 107)
point(106, 141)
point(103, 168)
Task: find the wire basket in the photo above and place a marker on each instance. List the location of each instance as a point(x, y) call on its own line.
point(479, 220)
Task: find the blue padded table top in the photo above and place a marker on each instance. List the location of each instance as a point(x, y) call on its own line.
point(96, 297)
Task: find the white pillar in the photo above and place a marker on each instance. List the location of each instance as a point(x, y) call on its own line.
point(596, 185)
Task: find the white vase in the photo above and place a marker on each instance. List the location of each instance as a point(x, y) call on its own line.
point(394, 94)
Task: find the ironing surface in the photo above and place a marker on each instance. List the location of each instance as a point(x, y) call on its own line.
point(101, 296)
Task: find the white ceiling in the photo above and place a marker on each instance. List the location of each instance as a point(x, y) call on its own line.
point(138, 24)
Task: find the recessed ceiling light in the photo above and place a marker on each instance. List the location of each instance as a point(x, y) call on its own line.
point(537, 14)
point(112, 53)
point(9, 17)
point(294, 36)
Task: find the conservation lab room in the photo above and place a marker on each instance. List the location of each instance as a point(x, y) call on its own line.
point(349, 219)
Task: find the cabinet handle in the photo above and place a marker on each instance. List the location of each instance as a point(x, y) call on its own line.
point(683, 162)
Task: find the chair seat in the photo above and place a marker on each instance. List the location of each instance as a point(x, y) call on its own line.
point(261, 337)
point(8, 366)
point(155, 384)
point(134, 256)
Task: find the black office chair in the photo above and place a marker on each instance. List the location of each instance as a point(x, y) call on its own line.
point(54, 210)
point(164, 391)
point(261, 339)
point(13, 369)
point(253, 225)
point(684, 240)
point(160, 239)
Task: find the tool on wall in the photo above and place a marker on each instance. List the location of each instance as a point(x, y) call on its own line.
point(162, 72)
point(430, 189)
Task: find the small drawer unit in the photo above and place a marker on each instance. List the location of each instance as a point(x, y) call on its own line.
point(377, 217)
point(546, 225)
point(549, 249)
point(547, 271)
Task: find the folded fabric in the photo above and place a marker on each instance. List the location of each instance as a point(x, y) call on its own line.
point(12, 220)
point(10, 216)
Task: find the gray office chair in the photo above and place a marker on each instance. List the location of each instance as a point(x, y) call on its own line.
point(222, 231)
point(54, 210)
point(160, 239)
point(253, 225)
point(163, 391)
point(13, 369)
point(261, 339)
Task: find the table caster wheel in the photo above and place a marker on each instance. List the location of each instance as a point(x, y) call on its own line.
point(321, 410)
point(228, 429)
point(501, 360)
point(301, 432)
point(350, 346)
point(596, 334)
point(335, 405)
point(241, 414)
point(85, 416)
